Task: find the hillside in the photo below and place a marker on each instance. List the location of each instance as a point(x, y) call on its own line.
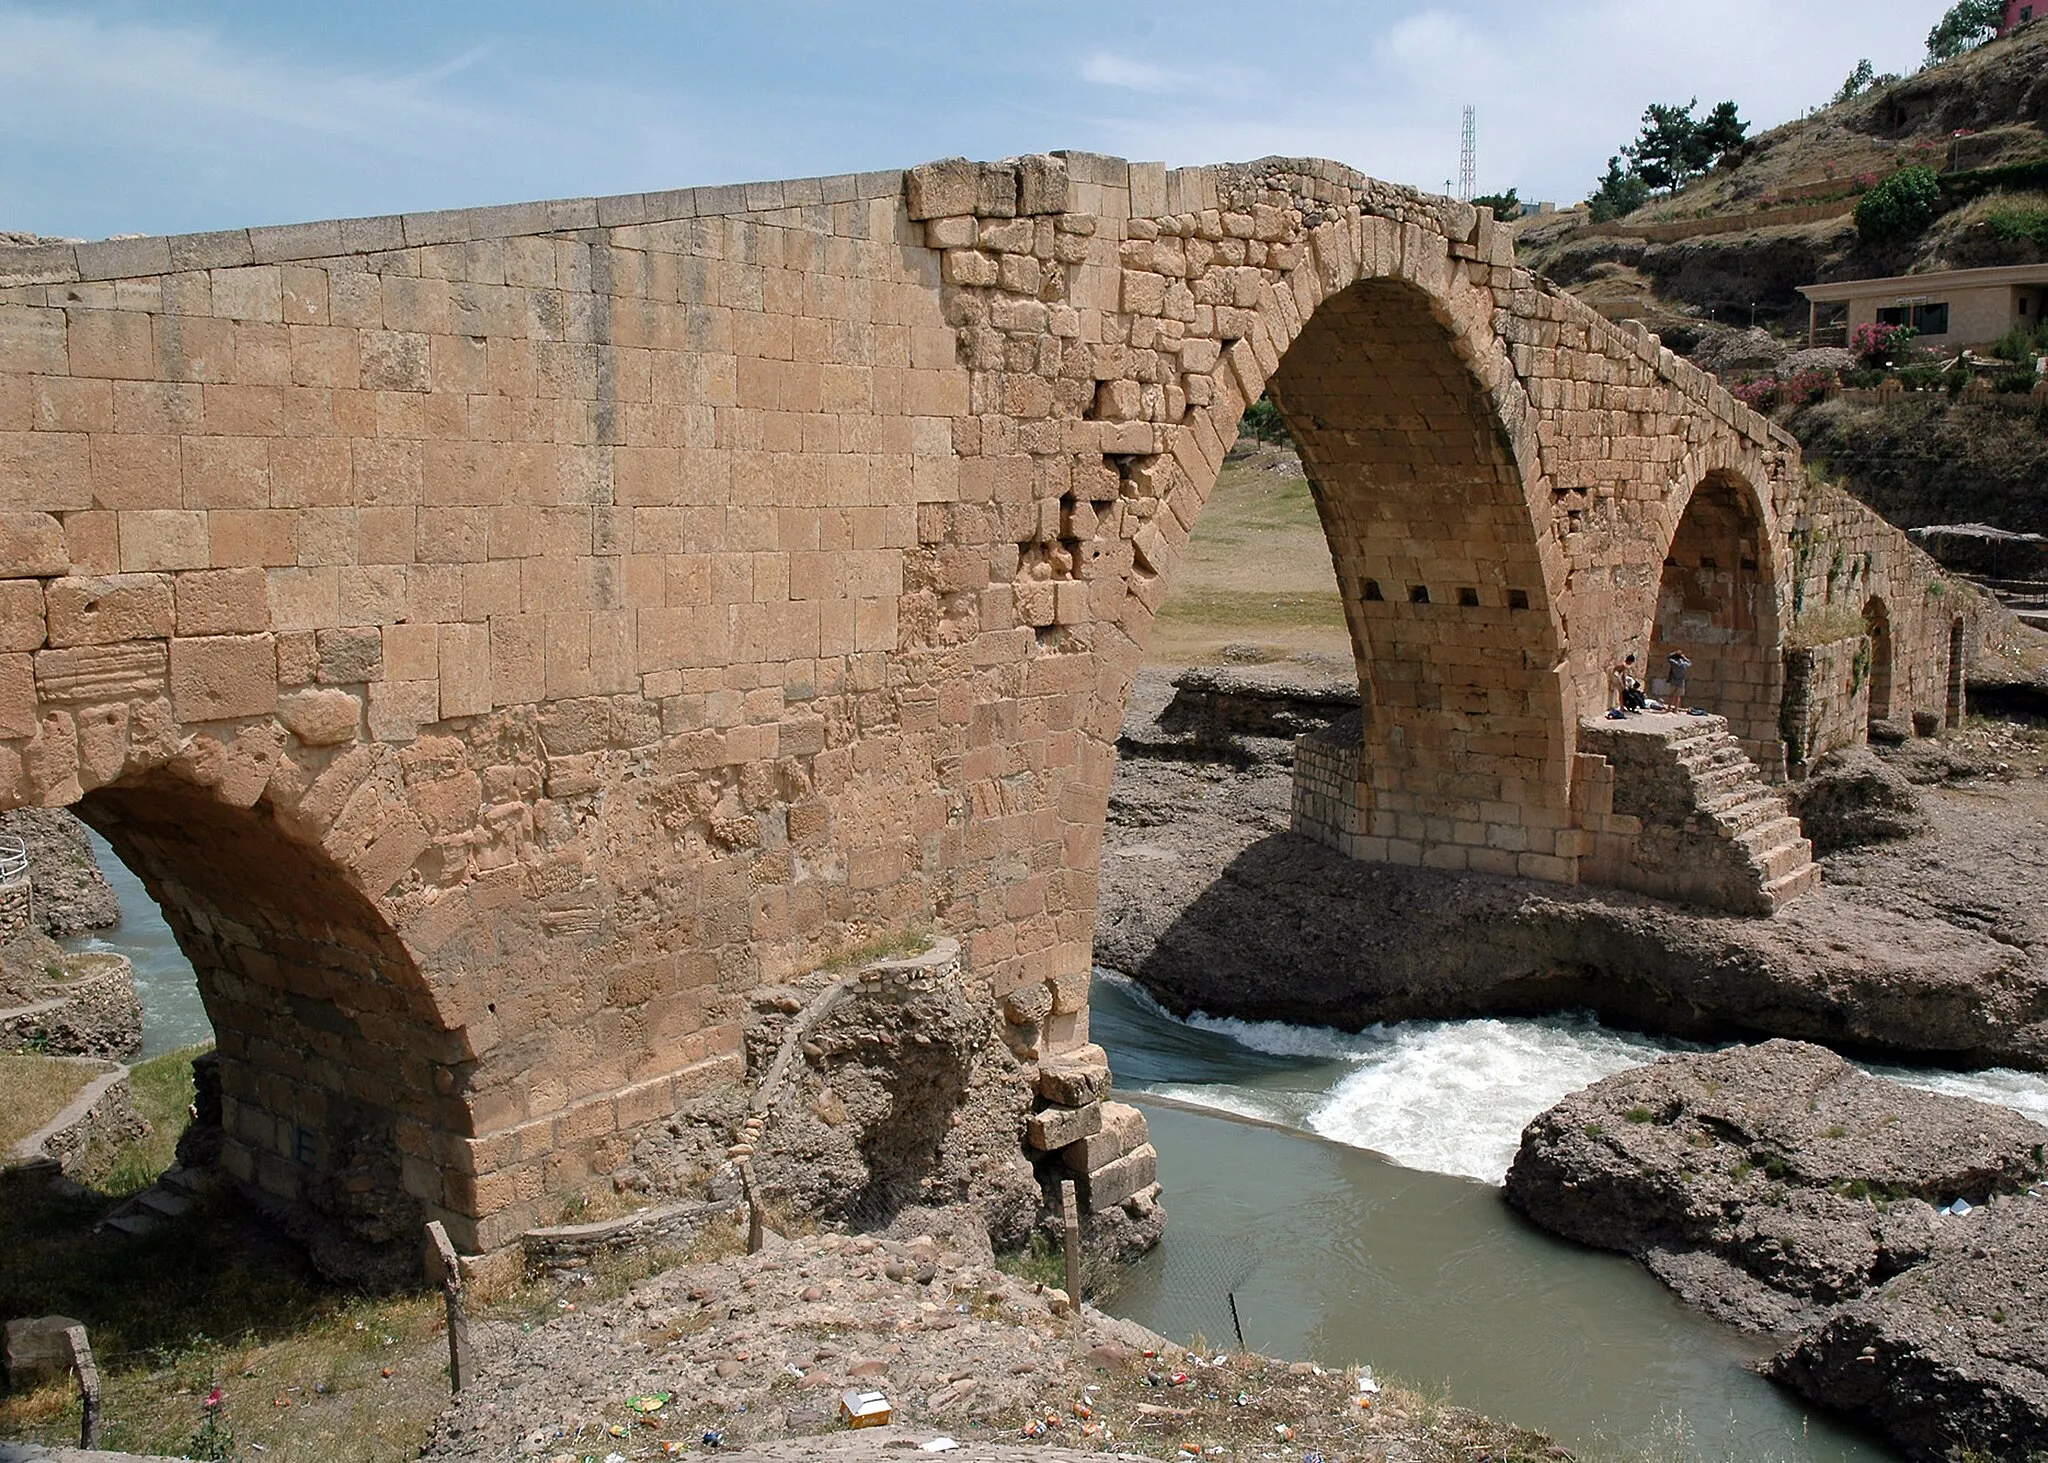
point(1984, 110)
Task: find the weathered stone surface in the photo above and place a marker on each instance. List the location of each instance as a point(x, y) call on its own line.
point(1054, 1128)
point(1121, 1131)
point(1079, 1077)
point(37, 1350)
point(1770, 1182)
point(1851, 798)
point(851, 503)
point(1950, 1358)
point(1119, 1179)
point(321, 718)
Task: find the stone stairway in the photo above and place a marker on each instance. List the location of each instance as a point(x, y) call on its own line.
point(170, 1197)
point(1674, 807)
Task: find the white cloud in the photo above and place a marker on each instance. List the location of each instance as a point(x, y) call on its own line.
point(1106, 70)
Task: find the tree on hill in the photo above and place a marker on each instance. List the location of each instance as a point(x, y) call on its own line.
point(1968, 25)
point(1860, 80)
point(1621, 191)
point(1506, 206)
point(1675, 147)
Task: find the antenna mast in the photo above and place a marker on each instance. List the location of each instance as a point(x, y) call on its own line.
point(1468, 157)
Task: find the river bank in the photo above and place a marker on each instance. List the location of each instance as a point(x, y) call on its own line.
point(1929, 951)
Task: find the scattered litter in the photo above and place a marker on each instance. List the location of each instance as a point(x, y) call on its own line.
point(615, 1458)
point(1034, 1429)
point(617, 1429)
point(939, 1444)
point(793, 1369)
point(713, 1439)
point(650, 1402)
point(1959, 1208)
point(864, 1409)
point(1283, 1432)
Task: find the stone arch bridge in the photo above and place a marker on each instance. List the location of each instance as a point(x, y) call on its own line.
point(502, 639)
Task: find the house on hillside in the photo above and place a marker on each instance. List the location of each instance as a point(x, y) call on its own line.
point(1950, 309)
point(2019, 13)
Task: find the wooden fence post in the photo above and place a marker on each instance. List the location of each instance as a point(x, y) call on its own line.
point(757, 1217)
point(1070, 1217)
point(461, 1365)
point(88, 1388)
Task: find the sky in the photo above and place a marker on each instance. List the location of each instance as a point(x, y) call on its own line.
point(156, 116)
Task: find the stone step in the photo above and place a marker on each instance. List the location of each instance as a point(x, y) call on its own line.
point(165, 1203)
point(132, 1224)
point(1788, 887)
point(1745, 808)
point(1760, 838)
point(1787, 859)
point(189, 1181)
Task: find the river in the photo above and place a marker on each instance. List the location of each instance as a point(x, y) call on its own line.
point(1343, 1189)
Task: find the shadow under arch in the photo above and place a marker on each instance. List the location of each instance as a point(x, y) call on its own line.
point(1437, 558)
point(1877, 624)
point(336, 1072)
point(1717, 601)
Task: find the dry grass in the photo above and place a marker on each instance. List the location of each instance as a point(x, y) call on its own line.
point(1257, 569)
point(33, 1090)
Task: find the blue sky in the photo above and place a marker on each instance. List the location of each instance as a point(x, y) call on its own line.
point(168, 117)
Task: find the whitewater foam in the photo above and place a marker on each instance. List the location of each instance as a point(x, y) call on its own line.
point(1451, 1097)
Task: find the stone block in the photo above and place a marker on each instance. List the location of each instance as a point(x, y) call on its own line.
point(1121, 1130)
point(104, 611)
point(223, 602)
point(351, 655)
point(37, 1350)
point(938, 189)
point(1109, 1186)
point(1041, 184)
point(218, 677)
point(1059, 1127)
point(1076, 1077)
point(321, 717)
point(32, 544)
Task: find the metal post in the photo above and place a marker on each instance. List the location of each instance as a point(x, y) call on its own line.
point(461, 1365)
point(88, 1388)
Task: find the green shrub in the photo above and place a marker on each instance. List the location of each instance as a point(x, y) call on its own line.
point(2019, 225)
point(1864, 379)
point(1262, 421)
point(2022, 344)
point(1900, 207)
point(2012, 383)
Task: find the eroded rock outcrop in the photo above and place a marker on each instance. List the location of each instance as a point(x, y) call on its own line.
point(1780, 1188)
point(1766, 1182)
point(1953, 1354)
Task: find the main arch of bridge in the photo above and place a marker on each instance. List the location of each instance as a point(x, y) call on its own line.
point(506, 639)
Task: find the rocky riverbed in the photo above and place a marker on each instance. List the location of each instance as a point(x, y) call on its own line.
point(751, 1351)
point(1932, 949)
point(1899, 1237)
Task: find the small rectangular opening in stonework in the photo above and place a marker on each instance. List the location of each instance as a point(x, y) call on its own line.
point(1418, 594)
point(1518, 599)
point(1749, 565)
point(1372, 590)
point(1468, 599)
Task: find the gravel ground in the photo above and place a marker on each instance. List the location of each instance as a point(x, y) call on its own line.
point(757, 1350)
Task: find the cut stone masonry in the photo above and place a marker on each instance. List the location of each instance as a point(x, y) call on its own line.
point(504, 640)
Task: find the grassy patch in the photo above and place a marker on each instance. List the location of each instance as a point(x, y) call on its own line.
point(162, 1092)
point(33, 1090)
point(1252, 609)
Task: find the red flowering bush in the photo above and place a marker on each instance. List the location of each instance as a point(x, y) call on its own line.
point(1877, 344)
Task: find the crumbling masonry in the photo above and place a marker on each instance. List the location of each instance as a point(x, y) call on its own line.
point(504, 639)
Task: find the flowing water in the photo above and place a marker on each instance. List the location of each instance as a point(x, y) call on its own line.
point(1341, 1188)
point(172, 1015)
point(1356, 1218)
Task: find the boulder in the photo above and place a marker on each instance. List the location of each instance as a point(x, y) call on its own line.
point(1770, 1183)
point(1852, 798)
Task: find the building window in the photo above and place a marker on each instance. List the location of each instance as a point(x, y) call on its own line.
point(1928, 319)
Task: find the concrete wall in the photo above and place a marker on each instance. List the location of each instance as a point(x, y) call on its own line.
point(1976, 316)
point(505, 638)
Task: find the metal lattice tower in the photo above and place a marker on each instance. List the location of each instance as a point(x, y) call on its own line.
point(1468, 157)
